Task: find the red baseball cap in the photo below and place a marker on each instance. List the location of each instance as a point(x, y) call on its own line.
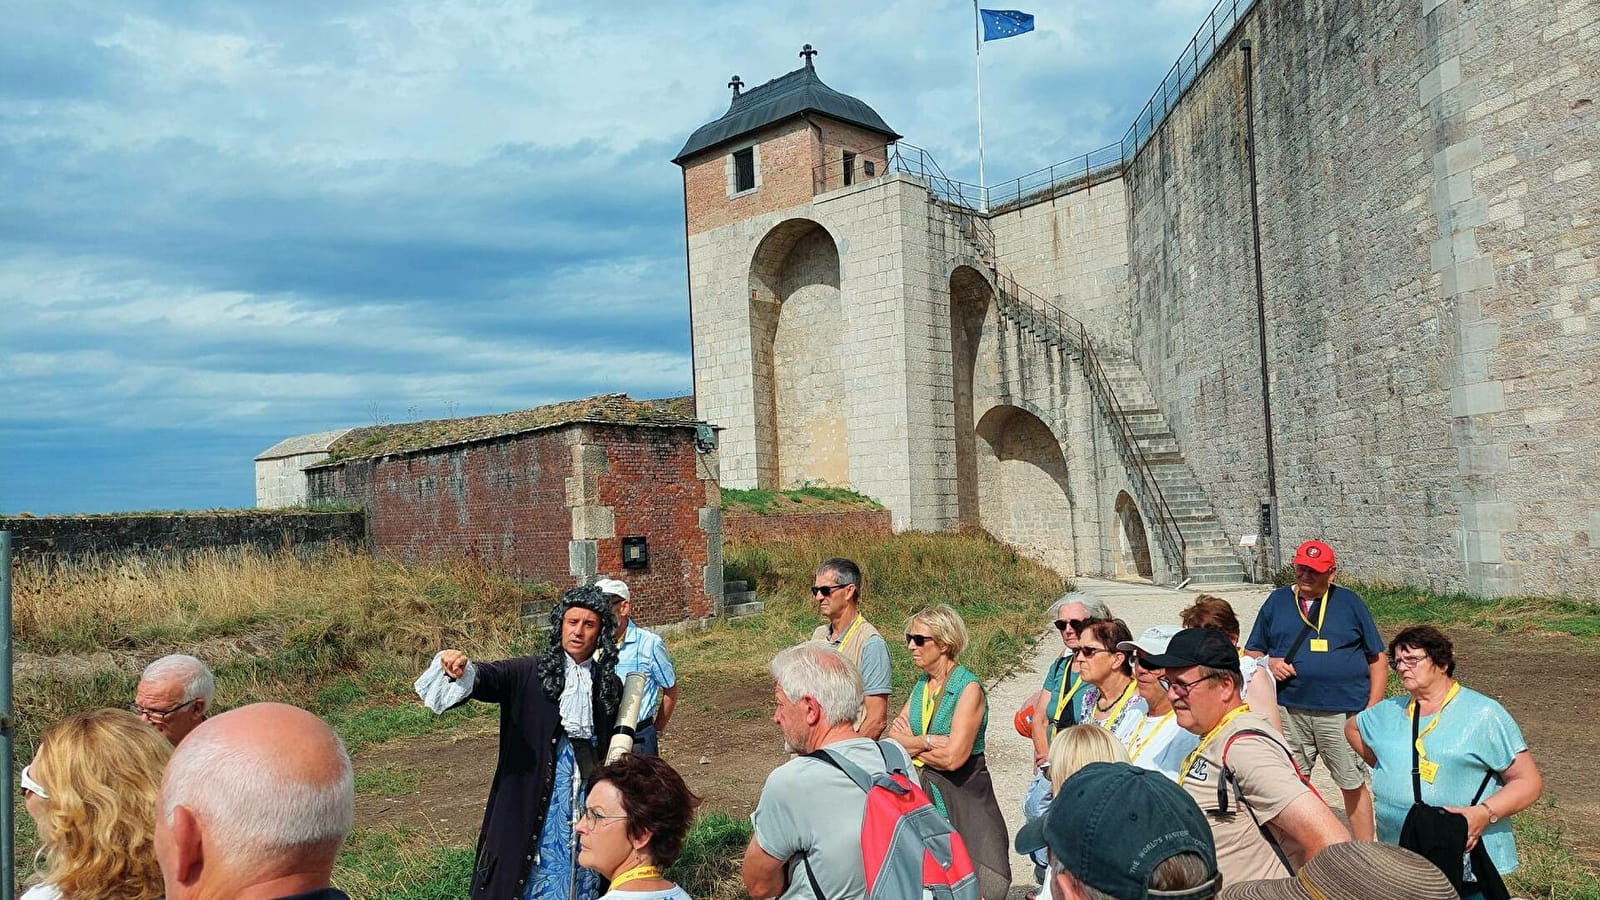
point(1315, 554)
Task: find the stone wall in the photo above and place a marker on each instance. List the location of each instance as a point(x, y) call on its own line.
point(65, 538)
point(1427, 187)
point(748, 528)
point(1073, 250)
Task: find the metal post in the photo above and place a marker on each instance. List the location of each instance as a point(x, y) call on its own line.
point(8, 730)
point(1276, 559)
point(977, 42)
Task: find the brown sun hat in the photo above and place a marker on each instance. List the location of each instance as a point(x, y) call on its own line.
point(1353, 871)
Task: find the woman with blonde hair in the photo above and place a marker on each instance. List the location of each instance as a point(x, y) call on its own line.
point(91, 792)
point(941, 727)
point(1070, 750)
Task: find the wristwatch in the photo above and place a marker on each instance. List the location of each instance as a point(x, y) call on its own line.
point(1493, 816)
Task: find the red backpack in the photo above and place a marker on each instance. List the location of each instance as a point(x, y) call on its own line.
point(908, 850)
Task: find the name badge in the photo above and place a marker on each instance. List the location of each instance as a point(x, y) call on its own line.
point(1427, 770)
point(1319, 645)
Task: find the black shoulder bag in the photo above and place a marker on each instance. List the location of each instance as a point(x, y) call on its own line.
point(1305, 629)
point(1440, 836)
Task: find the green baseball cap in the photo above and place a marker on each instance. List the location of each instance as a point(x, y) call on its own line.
point(1111, 824)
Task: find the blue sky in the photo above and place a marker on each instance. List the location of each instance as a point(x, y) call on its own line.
point(228, 222)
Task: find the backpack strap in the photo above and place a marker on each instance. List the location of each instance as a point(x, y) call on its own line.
point(856, 774)
point(1227, 780)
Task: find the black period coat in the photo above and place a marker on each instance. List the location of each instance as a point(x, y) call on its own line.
point(530, 727)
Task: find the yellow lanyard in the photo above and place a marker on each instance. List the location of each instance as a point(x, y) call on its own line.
point(1138, 748)
point(1116, 708)
point(1188, 761)
point(637, 873)
point(930, 703)
point(1322, 610)
point(1411, 711)
point(1066, 678)
point(847, 632)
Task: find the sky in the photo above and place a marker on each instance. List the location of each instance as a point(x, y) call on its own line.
point(229, 222)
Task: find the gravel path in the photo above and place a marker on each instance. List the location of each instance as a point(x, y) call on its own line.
point(1010, 757)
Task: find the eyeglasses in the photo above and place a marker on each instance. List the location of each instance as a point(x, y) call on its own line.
point(1182, 687)
point(158, 715)
point(1077, 625)
point(31, 786)
point(918, 639)
point(826, 590)
point(1143, 662)
point(1408, 662)
point(1088, 652)
point(590, 814)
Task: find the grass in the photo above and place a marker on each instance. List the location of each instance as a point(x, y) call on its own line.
point(1549, 869)
point(1001, 595)
point(811, 498)
point(1398, 604)
point(344, 635)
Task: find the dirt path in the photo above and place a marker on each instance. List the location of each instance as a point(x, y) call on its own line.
point(724, 743)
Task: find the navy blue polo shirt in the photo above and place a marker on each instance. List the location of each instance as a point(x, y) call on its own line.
point(1332, 680)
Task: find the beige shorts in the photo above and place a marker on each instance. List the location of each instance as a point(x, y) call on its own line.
point(1314, 734)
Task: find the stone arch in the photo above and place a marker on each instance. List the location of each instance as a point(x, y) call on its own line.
point(801, 427)
point(1133, 548)
point(971, 297)
point(1023, 492)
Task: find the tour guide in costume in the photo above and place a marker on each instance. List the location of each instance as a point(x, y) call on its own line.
point(557, 712)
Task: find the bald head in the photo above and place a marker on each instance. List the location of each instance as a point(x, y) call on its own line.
point(269, 789)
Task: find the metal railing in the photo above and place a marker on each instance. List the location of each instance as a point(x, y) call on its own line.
point(1037, 313)
point(1218, 25)
point(1076, 174)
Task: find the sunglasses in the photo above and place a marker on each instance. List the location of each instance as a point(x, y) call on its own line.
point(1077, 625)
point(31, 786)
point(1143, 662)
point(1092, 652)
point(826, 590)
point(918, 639)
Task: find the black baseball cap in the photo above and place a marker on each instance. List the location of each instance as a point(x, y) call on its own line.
point(1111, 824)
point(1197, 647)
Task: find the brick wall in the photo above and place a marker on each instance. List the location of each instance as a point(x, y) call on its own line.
point(786, 156)
point(656, 484)
point(502, 502)
point(751, 528)
point(552, 506)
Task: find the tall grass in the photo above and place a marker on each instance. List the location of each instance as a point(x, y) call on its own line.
point(338, 634)
point(1001, 594)
point(1400, 604)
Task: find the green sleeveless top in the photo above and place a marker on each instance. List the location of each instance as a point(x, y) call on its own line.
point(959, 678)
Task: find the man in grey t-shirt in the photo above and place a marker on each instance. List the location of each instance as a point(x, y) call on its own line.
point(809, 815)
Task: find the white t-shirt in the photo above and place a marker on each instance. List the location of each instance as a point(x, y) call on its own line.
point(672, 893)
point(1161, 744)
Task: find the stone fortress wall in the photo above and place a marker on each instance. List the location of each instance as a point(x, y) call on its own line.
point(1432, 283)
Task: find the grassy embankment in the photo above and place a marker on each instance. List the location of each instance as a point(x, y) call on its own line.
point(1549, 868)
point(345, 636)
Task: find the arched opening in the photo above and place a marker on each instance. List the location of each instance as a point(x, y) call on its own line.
point(801, 427)
point(970, 297)
point(1024, 498)
point(1133, 551)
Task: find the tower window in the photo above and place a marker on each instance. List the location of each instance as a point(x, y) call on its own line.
point(849, 167)
point(744, 170)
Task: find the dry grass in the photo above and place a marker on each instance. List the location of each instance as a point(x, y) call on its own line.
point(339, 634)
point(1001, 595)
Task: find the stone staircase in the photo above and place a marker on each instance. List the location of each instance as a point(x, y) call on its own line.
point(738, 600)
point(1212, 557)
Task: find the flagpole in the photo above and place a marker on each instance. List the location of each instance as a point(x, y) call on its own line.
point(977, 43)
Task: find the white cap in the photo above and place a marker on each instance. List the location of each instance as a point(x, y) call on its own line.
point(613, 587)
point(1153, 642)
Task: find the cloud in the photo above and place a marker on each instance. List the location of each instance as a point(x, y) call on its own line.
point(234, 220)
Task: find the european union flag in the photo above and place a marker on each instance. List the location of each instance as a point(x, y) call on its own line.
point(1004, 23)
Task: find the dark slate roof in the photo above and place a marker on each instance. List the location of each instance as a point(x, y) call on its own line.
point(413, 437)
point(798, 92)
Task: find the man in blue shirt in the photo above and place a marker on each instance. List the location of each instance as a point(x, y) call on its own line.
point(1325, 651)
point(642, 650)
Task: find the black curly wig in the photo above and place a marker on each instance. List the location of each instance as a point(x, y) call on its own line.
point(553, 666)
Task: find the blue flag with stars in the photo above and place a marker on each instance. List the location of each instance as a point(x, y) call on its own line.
point(1004, 23)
